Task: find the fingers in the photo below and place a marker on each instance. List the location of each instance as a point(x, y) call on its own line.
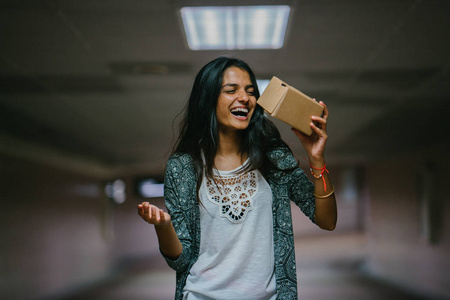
point(325, 109)
point(151, 214)
point(154, 213)
point(319, 122)
point(162, 216)
point(141, 210)
point(320, 131)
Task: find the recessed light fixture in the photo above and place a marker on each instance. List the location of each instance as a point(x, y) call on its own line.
point(235, 27)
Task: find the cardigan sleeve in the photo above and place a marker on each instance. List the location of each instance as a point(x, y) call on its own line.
point(301, 189)
point(177, 181)
point(302, 193)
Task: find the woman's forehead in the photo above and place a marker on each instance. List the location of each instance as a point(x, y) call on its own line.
point(236, 75)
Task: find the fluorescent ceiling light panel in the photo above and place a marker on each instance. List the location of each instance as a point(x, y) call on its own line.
point(235, 27)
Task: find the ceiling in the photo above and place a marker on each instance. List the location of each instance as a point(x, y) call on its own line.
point(96, 86)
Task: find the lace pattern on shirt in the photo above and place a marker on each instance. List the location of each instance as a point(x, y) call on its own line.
point(233, 194)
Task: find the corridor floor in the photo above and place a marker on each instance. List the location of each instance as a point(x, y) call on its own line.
point(328, 269)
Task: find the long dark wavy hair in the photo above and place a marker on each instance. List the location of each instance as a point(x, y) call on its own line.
point(199, 128)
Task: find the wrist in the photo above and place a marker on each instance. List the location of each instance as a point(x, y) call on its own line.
point(318, 168)
point(163, 226)
point(317, 163)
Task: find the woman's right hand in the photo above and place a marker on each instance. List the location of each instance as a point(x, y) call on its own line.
point(153, 215)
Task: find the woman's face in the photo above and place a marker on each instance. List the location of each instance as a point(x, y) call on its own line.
point(236, 101)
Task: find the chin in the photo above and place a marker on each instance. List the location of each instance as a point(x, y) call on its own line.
point(241, 126)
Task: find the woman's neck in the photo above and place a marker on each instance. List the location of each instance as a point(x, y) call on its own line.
point(229, 155)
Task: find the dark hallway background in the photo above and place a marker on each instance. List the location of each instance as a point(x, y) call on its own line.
point(90, 92)
point(63, 239)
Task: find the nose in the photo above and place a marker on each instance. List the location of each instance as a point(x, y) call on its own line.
point(243, 96)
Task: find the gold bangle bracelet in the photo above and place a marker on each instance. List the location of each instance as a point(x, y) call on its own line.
point(326, 196)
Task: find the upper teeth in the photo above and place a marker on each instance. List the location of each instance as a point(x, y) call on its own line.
point(245, 110)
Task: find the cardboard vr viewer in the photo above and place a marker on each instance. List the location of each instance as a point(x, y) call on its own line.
point(289, 105)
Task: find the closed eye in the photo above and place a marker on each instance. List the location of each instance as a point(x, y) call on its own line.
point(250, 89)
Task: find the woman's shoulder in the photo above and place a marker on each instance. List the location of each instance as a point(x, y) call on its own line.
point(180, 157)
point(180, 163)
point(282, 158)
point(180, 181)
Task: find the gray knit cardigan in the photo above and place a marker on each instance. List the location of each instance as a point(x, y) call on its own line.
point(181, 200)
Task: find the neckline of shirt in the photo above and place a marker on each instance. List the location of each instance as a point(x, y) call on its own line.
point(231, 172)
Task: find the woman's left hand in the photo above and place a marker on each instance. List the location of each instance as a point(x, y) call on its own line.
point(314, 144)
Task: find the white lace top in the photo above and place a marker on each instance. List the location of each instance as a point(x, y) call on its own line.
point(236, 259)
point(233, 194)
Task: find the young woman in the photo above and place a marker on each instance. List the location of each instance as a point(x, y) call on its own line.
point(228, 186)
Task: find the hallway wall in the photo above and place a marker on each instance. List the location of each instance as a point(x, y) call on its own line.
point(58, 232)
point(409, 231)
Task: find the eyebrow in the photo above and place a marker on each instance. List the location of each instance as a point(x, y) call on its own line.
point(236, 85)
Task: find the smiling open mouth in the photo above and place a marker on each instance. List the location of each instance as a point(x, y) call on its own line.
point(240, 112)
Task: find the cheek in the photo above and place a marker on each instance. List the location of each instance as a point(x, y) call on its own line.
point(221, 113)
point(254, 105)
